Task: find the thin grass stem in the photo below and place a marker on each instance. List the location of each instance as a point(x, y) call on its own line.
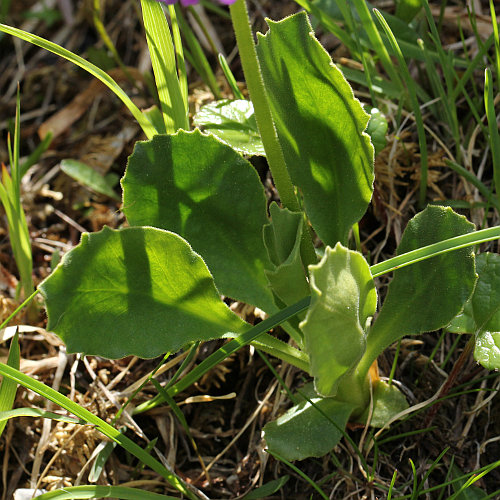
point(102, 426)
point(410, 85)
point(303, 475)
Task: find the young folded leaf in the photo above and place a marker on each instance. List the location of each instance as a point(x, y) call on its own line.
point(343, 302)
point(487, 349)
point(282, 239)
point(388, 401)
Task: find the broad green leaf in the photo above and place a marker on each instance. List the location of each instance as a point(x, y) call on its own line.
point(87, 176)
point(8, 387)
point(486, 311)
point(308, 430)
point(320, 126)
point(343, 301)
point(388, 401)
point(487, 350)
point(470, 492)
point(464, 321)
point(427, 295)
point(140, 291)
point(282, 238)
point(233, 122)
point(201, 189)
point(267, 489)
point(486, 298)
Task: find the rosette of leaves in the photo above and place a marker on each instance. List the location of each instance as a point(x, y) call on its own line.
point(192, 191)
point(200, 228)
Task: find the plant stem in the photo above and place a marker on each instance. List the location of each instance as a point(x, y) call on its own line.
point(258, 95)
point(264, 119)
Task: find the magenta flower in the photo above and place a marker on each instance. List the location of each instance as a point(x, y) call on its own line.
point(185, 3)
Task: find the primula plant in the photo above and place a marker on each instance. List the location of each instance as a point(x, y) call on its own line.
point(200, 226)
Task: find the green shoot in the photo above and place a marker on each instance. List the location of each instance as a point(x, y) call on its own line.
point(497, 40)
point(10, 196)
point(196, 56)
point(8, 388)
point(410, 85)
point(161, 49)
point(230, 77)
point(145, 124)
point(376, 41)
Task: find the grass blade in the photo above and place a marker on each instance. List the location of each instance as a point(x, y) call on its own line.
point(36, 154)
point(410, 85)
point(196, 54)
point(230, 77)
point(300, 473)
point(492, 127)
point(470, 177)
point(104, 450)
point(182, 419)
point(376, 40)
point(161, 50)
point(8, 388)
point(36, 413)
point(179, 54)
point(465, 240)
point(497, 40)
point(145, 124)
point(122, 492)
point(102, 426)
point(226, 351)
